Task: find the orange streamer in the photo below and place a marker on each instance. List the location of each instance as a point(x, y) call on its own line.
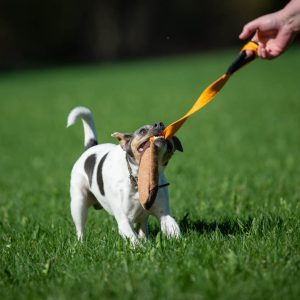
point(211, 91)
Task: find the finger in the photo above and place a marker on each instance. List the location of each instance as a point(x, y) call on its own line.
point(249, 53)
point(255, 38)
point(263, 53)
point(249, 28)
point(273, 52)
point(245, 33)
point(277, 46)
point(259, 51)
point(270, 55)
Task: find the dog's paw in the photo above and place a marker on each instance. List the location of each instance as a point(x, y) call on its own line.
point(170, 227)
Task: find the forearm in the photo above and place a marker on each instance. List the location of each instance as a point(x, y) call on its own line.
point(291, 15)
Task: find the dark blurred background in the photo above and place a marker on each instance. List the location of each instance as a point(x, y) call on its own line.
point(37, 32)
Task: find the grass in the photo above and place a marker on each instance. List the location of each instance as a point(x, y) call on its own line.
point(235, 190)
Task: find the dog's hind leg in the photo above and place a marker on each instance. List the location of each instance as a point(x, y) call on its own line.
point(79, 209)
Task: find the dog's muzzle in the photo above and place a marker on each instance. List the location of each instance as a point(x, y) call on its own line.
point(157, 129)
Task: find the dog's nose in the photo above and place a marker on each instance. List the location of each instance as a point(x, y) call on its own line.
point(159, 125)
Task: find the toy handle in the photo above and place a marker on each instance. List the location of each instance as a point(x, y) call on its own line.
point(243, 58)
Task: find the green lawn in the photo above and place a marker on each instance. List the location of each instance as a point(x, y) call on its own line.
point(235, 190)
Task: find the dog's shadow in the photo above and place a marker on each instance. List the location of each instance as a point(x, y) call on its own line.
point(226, 227)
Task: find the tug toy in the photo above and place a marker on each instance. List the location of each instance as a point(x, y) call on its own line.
point(148, 171)
point(148, 177)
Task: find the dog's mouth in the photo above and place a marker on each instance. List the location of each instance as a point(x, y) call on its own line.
point(146, 144)
point(143, 146)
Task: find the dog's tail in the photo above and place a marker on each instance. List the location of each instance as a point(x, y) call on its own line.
point(83, 113)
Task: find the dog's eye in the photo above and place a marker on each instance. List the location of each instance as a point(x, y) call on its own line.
point(142, 131)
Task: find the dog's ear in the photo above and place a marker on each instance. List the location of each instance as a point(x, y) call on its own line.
point(177, 144)
point(123, 138)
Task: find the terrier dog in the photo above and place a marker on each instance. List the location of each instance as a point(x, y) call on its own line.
point(105, 176)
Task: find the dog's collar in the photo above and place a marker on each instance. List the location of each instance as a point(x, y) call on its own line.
point(134, 179)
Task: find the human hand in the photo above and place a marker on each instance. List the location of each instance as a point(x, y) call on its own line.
point(273, 34)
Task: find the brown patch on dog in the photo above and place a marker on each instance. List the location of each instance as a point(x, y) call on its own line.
point(139, 146)
point(137, 143)
point(123, 138)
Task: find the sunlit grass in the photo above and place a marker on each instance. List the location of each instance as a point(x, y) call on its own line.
point(235, 190)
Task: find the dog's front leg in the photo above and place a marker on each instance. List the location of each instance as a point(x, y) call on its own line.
point(169, 226)
point(161, 210)
point(125, 228)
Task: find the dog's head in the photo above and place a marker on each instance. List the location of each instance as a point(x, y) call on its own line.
point(136, 143)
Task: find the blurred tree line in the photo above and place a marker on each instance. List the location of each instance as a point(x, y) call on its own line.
point(37, 31)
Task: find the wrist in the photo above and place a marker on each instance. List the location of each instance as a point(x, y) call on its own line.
point(290, 16)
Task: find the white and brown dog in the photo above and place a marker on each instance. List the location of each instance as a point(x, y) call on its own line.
point(105, 176)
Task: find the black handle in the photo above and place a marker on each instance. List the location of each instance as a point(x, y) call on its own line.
point(242, 60)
